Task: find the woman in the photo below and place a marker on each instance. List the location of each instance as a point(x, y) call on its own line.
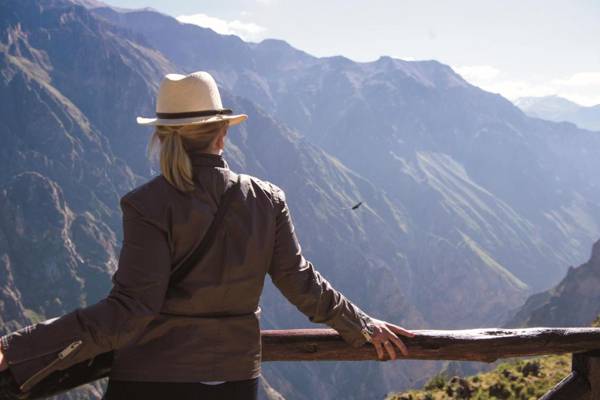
point(198, 337)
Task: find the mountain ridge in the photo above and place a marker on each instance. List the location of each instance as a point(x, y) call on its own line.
point(559, 109)
point(574, 301)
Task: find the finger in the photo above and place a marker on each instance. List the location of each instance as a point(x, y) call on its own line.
point(402, 347)
point(378, 349)
point(399, 343)
point(400, 330)
point(390, 349)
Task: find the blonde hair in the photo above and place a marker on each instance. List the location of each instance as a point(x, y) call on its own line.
point(173, 143)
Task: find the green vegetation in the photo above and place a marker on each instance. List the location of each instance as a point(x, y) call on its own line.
point(520, 379)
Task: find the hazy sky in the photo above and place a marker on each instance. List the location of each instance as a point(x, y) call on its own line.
point(513, 47)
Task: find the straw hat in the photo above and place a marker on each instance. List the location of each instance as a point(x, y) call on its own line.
point(190, 99)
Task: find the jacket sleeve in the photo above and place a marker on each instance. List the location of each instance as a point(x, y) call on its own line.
point(137, 295)
point(305, 287)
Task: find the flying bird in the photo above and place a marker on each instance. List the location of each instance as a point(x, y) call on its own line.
point(357, 205)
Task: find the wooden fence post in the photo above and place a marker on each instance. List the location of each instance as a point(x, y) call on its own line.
point(583, 383)
point(588, 364)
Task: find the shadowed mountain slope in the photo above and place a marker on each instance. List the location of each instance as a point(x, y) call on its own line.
point(575, 301)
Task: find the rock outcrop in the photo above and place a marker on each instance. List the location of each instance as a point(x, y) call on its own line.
point(575, 301)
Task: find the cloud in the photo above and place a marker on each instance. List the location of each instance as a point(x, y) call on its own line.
point(581, 87)
point(403, 58)
point(477, 73)
point(245, 30)
point(580, 79)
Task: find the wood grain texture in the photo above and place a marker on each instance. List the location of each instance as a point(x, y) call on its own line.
point(485, 345)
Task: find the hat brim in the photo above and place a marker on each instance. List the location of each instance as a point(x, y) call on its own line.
point(232, 119)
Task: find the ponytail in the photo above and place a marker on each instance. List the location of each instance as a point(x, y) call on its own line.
point(175, 141)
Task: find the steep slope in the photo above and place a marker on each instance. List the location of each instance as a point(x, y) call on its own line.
point(575, 301)
point(450, 152)
point(99, 68)
point(53, 259)
point(559, 109)
point(50, 148)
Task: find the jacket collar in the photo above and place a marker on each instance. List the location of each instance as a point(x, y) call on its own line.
point(207, 160)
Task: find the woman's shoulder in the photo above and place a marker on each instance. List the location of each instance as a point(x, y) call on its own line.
point(262, 187)
point(149, 196)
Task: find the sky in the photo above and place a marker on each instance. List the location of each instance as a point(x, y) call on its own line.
point(513, 47)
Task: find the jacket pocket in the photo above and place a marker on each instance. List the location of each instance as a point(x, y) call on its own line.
point(45, 371)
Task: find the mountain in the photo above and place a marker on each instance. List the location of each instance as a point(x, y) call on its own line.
point(468, 204)
point(555, 108)
point(575, 301)
point(453, 156)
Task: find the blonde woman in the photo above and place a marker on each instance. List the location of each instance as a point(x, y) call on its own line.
point(197, 337)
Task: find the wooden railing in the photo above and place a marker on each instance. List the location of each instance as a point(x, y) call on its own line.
point(486, 345)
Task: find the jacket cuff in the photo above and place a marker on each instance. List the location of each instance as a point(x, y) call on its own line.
point(31, 349)
point(5, 343)
point(353, 320)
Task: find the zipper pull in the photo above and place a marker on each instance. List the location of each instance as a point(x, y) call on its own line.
point(69, 349)
point(41, 374)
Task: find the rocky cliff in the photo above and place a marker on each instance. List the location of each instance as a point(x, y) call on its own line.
point(575, 301)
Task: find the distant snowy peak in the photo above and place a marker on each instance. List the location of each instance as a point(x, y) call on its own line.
point(548, 104)
point(556, 108)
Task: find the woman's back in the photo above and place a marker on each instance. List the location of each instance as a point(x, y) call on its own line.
point(208, 326)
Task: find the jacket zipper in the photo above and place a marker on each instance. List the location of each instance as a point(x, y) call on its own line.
point(37, 355)
point(38, 376)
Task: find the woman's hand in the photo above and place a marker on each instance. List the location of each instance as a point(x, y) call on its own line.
point(384, 337)
point(3, 363)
